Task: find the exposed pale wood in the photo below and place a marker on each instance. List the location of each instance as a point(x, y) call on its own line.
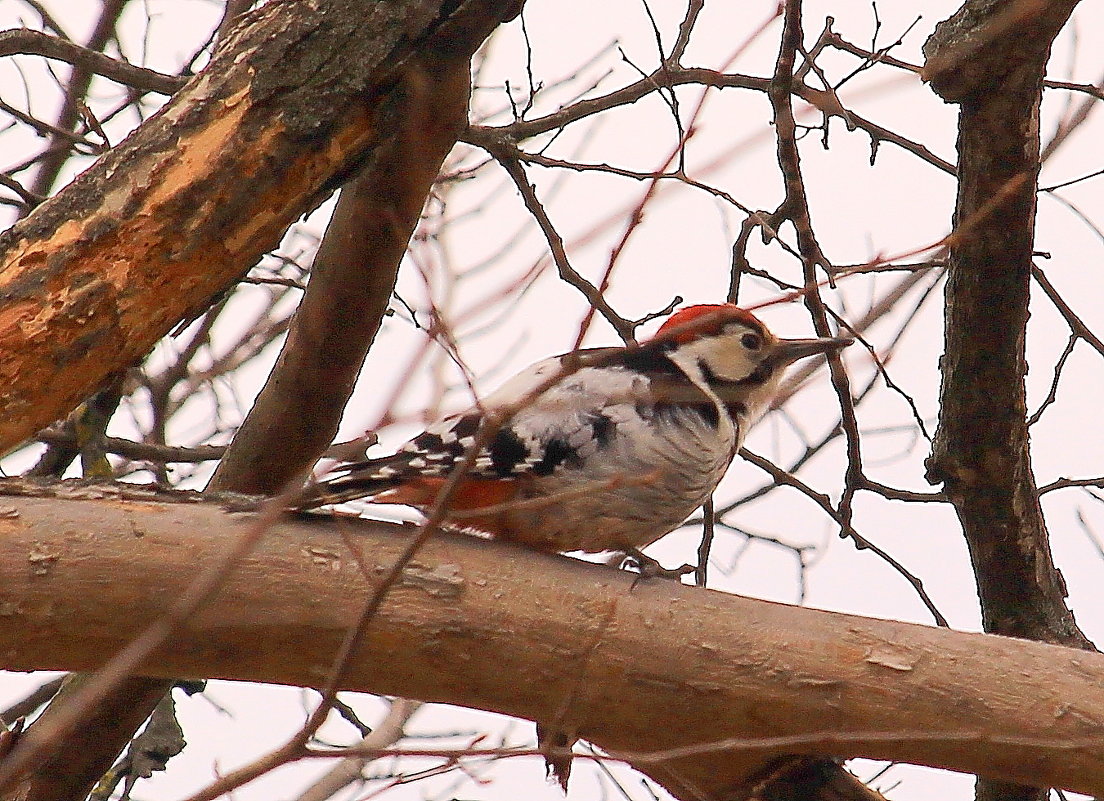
point(170, 217)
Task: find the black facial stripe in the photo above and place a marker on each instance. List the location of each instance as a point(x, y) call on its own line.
point(676, 394)
point(760, 375)
point(707, 373)
point(507, 452)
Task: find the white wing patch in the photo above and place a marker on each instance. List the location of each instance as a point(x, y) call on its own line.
point(565, 425)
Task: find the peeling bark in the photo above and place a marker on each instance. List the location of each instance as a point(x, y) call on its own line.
point(297, 99)
point(351, 282)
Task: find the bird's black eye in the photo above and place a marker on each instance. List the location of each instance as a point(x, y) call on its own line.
point(751, 341)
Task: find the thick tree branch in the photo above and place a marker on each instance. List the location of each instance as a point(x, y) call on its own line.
point(636, 670)
point(406, 107)
point(288, 107)
point(62, 775)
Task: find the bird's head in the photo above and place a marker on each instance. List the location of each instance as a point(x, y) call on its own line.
point(734, 353)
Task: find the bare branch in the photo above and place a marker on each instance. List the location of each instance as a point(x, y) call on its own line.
point(27, 42)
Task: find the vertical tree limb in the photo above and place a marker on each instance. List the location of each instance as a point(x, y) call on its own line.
point(981, 451)
point(990, 58)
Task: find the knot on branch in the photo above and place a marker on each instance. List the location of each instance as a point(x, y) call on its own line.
point(988, 43)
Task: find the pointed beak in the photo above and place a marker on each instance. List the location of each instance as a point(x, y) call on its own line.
point(790, 350)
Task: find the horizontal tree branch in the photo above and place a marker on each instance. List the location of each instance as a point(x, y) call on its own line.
point(723, 683)
point(140, 451)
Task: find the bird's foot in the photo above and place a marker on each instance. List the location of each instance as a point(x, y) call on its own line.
point(648, 567)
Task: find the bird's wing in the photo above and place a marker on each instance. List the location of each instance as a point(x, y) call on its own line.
point(557, 429)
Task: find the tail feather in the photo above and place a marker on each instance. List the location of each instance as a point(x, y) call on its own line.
point(353, 481)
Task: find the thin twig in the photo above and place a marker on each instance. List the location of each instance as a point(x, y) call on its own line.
point(846, 529)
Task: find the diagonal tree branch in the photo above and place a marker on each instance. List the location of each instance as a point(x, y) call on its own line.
point(184, 206)
point(297, 412)
point(409, 122)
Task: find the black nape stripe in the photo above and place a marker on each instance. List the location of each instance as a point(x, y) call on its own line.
point(651, 359)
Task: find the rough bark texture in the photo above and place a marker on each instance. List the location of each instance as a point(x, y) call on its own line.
point(981, 451)
point(634, 669)
point(165, 221)
point(287, 109)
point(991, 58)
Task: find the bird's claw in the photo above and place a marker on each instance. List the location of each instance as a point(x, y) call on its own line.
point(647, 567)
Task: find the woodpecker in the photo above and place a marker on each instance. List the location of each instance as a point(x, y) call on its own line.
point(615, 448)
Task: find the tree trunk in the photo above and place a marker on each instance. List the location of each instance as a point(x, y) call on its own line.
point(990, 59)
